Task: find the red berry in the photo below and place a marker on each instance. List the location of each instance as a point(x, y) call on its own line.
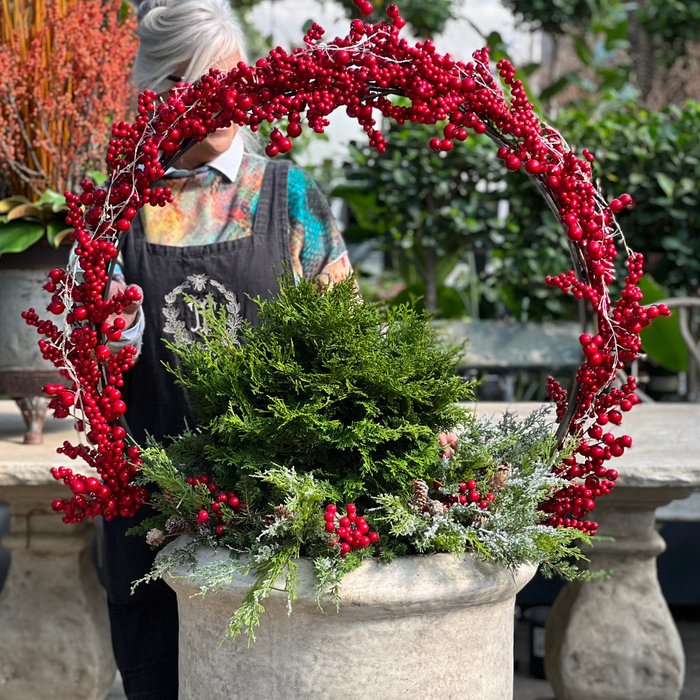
point(513, 163)
point(80, 313)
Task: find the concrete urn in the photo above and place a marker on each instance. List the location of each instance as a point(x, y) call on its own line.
point(434, 626)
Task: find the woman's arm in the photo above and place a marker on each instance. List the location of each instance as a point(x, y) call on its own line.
point(316, 245)
point(132, 314)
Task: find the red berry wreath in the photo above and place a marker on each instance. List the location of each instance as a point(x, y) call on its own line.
point(360, 72)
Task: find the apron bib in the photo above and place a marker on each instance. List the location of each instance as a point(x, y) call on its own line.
point(230, 273)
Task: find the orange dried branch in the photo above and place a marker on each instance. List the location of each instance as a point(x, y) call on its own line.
point(64, 76)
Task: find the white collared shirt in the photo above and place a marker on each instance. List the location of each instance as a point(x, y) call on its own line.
point(228, 163)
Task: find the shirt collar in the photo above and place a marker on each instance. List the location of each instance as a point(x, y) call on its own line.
point(228, 163)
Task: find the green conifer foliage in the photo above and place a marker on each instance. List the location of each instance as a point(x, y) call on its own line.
point(325, 383)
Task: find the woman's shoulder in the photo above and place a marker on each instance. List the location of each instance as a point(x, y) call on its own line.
point(254, 162)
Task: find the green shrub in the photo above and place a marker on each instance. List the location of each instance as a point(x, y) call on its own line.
point(328, 384)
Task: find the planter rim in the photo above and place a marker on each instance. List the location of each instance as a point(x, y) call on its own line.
point(416, 583)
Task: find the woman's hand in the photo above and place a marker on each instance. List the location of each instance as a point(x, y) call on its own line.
point(130, 312)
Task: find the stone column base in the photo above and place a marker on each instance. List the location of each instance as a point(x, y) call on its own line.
point(615, 639)
point(54, 640)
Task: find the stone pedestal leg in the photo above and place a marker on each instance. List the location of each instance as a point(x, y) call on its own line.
point(34, 413)
point(615, 639)
point(54, 639)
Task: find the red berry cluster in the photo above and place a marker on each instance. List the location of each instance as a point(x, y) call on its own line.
point(361, 73)
point(349, 531)
point(468, 494)
point(210, 513)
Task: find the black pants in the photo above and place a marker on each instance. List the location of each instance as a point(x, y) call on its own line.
point(144, 639)
point(144, 625)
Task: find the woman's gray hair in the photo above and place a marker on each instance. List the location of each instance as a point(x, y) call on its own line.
point(172, 32)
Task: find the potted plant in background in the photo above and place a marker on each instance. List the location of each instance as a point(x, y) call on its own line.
point(61, 64)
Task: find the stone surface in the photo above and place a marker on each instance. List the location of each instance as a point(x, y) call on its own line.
point(55, 641)
point(525, 687)
point(666, 442)
point(616, 639)
point(553, 346)
point(434, 626)
point(29, 465)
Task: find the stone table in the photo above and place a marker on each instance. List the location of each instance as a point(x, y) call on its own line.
point(55, 641)
point(615, 639)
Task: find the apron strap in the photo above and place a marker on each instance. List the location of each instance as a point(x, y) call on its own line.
point(272, 213)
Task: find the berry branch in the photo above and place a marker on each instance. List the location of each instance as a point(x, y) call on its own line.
point(359, 72)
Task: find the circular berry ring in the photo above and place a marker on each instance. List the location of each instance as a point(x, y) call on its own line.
point(360, 72)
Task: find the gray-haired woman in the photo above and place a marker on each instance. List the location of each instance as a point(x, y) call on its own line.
point(237, 219)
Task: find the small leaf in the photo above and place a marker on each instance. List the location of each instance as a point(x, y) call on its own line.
point(666, 184)
point(99, 177)
point(584, 53)
point(56, 231)
point(662, 340)
point(6, 205)
point(17, 236)
point(55, 201)
point(555, 88)
point(529, 69)
point(24, 210)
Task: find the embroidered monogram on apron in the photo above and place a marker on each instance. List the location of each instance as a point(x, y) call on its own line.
point(229, 274)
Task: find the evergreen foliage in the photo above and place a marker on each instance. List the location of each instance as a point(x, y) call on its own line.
point(327, 384)
point(329, 399)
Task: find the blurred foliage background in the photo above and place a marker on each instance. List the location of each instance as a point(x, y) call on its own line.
point(453, 232)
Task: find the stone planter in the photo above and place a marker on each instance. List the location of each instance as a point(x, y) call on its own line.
point(23, 370)
point(436, 626)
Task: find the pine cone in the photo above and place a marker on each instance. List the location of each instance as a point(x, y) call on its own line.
point(499, 477)
point(436, 508)
point(419, 491)
point(171, 498)
point(176, 525)
point(280, 513)
point(478, 520)
point(155, 537)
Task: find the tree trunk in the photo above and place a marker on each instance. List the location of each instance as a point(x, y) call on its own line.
point(642, 54)
point(430, 279)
